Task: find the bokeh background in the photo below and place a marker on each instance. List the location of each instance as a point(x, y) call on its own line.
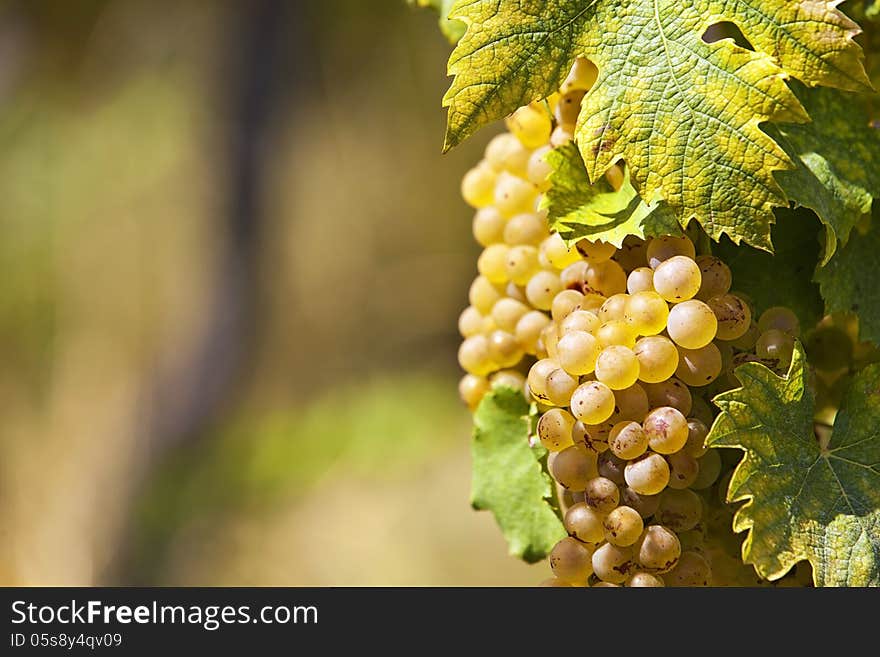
point(231, 264)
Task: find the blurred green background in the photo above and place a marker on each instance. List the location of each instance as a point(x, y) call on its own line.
point(231, 263)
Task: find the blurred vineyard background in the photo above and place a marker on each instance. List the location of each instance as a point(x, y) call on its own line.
point(231, 263)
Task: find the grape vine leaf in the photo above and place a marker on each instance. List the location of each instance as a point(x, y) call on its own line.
point(683, 113)
point(452, 29)
point(848, 282)
point(577, 209)
point(508, 478)
point(785, 277)
point(805, 499)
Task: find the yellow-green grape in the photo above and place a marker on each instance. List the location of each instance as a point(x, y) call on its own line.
point(640, 280)
point(692, 324)
point(658, 358)
point(627, 440)
point(632, 253)
point(488, 226)
point(474, 356)
point(601, 495)
point(554, 429)
point(513, 195)
point(580, 320)
point(574, 467)
point(683, 469)
point(666, 429)
point(516, 292)
point(701, 411)
point(542, 288)
point(550, 340)
point(647, 312)
point(492, 263)
point(560, 386)
point(777, 345)
point(616, 332)
point(531, 125)
point(644, 580)
point(478, 186)
point(646, 505)
point(613, 308)
point(572, 276)
point(508, 379)
point(522, 263)
point(577, 352)
point(483, 295)
point(699, 367)
point(692, 570)
point(558, 255)
point(565, 303)
point(612, 467)
point(528, 329)
point(568, 108)
point(710, 467)
point(592, 302)
point(715, 275)
point(471, 389)
point(582, 76)
point(571, 561)
point(507, 312)
point(538, 169)
point(504, 349)
point(615, 176)
point(677, 279)
point(697, 432)
point(658, 550)
point(592, 402)
point(606, 278)
point(693, 539)
point(506, 153)
point(529, 229)
point(733, 314)
point(470, 322)
point(661, 249)
point(583, 523)
point(595, 251)
point(554, 582)
point(617, 367)
point(648, 474)
point(592, 436)
point(830, 348)
point(561, 135)
point(537, 378)
point(746, 342)
point(779, 318)
point(623, 526)
point(672, 393)
point(631, 403)
point(679, 510)
point(612, 563)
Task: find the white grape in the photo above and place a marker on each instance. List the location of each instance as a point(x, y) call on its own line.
point(692, 324)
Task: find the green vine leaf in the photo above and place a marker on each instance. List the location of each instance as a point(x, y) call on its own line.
point(452, 29)
point(577, 209)
point(683, 113)
point(807, 498)
point(508, 479)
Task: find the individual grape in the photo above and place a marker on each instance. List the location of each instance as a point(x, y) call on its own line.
point(561, 136)
point(658, 550)
point(560, 386)
point(569, 106)
point(592, 302)
point(733, 314)
point(692, 324)
point(617, 367)
point(715, 276)
point(488, 226)
point(606, 278)
point(627, 440)
point(780, 318)
point(697, 432)
point(557, 254)
point(582, 76)
point(572, 276)
point(615, 176)
point(537, 169)
point(506, 153)
point(509, 379)
point(528, 329)
point(683, 470)
point(623, 526)
point(661, 249)
point(537, 378)
point(774, 344)
point(693, 539)
point(658, 358)
point(578, 351)
point(529, 229)
point(595, 251)
point(692, 570)
point(583, 523)
point(632, 253)
point(580, 320)
point(483, 295)
point(640, 280)
point(647, 313)
point(830, 348)
point(701, 411)
point(542, 288)
point(613, 308)
point(492, 263)
point(571, 561)
point(550, 340)
point(612, 563)
point(471, 389)
point(514, 195)
point(554, 429)
point(521, 264)
point(507, 312)
point(677, 279)
point(631, 403)
point(593, 436)
point(531, 125)
point(504, 349)
point(601, 495)
point(672, 393)
point(478, 186)
point(616, 332)
point(643, 580)
point(565, 303)
point(648, 474)
point(679, 510)
point(710, 468)
point(699, 367)
point(612, 468)
point(474, 356)
point(470, 322)
point(554, 582)
point(646, 505)
point(592, 402)
point(746, 342)
point(666, 429)
point(574, 467)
